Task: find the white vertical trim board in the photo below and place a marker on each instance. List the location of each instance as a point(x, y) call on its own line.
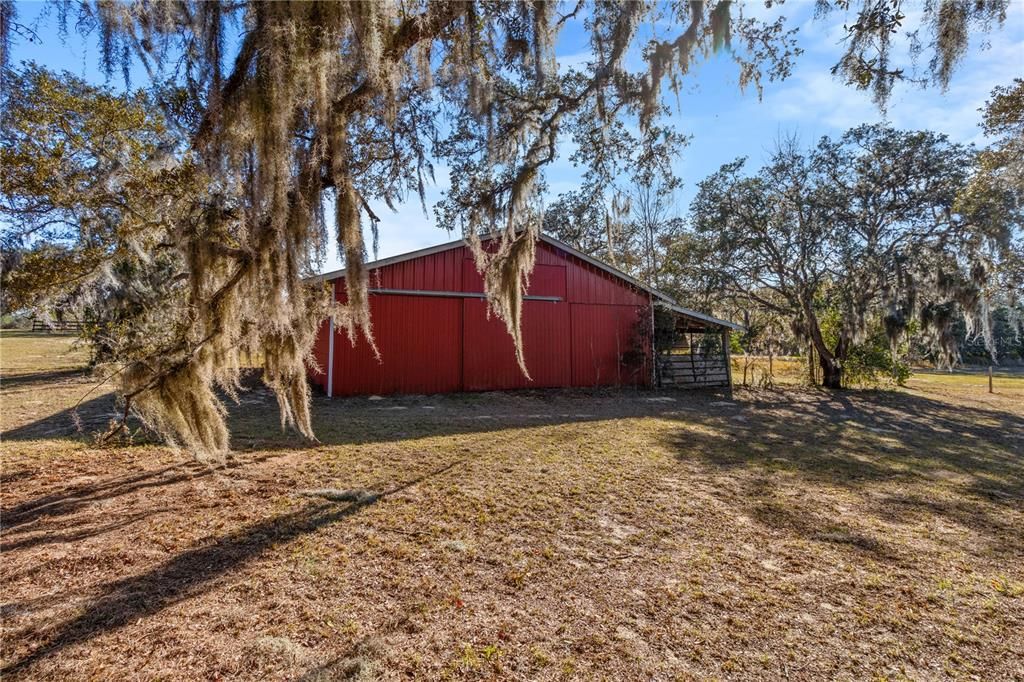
point(330, 349)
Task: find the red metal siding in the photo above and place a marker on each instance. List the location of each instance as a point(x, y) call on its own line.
point(432, 344)
point(545, 280)
point(546, 254)
point(601, 336)
point(419, 342)
point(550, 255)
point(489, 361)
point(319, 376)
point(472, 281)
point(588, 284)
point(436, 272)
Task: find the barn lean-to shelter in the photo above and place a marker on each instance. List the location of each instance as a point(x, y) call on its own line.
point(584, 324)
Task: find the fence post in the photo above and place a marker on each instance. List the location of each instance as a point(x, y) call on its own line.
point(990, 378)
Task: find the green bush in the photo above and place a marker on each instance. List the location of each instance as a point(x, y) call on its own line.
point(871, 362)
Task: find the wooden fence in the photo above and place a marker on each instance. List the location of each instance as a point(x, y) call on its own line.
point(685, 370)
point(57, 327)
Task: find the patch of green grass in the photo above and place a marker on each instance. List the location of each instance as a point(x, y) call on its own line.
point(24, 352)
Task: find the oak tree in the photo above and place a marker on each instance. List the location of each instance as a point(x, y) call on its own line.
point(867, 229)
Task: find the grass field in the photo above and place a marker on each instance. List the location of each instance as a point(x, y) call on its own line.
point(772, 534)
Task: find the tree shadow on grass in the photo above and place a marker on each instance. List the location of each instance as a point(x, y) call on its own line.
point(892, 449)
point(57, 517)
point(78, 424)
point(848, 439)
point(852, 440)
point(76, 497)
point(256, 436)
point(49, 536)
point(195, 571)
point(41, 379)
point(821, 528)
point(254, 419)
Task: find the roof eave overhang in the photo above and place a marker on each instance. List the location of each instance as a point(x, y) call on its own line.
point(706, 319)
point(400, 258)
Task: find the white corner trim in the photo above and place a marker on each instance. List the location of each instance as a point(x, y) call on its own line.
point(330, 349)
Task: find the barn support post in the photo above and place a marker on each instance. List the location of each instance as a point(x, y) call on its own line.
point(330, 347)
point(728, 358)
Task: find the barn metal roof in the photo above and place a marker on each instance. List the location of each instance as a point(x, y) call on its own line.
point(665, 299)
point(705, 318)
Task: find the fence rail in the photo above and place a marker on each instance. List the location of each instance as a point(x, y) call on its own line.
point(57, 327)
point(684, 369)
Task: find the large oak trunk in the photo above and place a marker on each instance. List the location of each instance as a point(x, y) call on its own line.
point(812, 373)
point(831, 374)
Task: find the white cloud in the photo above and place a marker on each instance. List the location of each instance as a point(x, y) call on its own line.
point(816, 97)
point(813, 96)
point(576, 61)
point(756, 9)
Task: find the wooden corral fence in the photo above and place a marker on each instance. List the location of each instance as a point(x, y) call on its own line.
point(57, 327)
point(694, 363)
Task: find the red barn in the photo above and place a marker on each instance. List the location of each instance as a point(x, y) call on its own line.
point(584, 324)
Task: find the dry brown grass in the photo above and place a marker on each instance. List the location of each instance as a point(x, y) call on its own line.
point(781, 371)
point(783, 534)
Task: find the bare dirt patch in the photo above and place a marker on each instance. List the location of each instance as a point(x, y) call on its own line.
point(776, 534)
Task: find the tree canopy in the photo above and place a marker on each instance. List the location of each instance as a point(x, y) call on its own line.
point(92, 192)
point(87, 176)
point(869, 228)
point(283, 104)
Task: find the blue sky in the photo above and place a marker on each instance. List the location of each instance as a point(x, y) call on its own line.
point(724, 123)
